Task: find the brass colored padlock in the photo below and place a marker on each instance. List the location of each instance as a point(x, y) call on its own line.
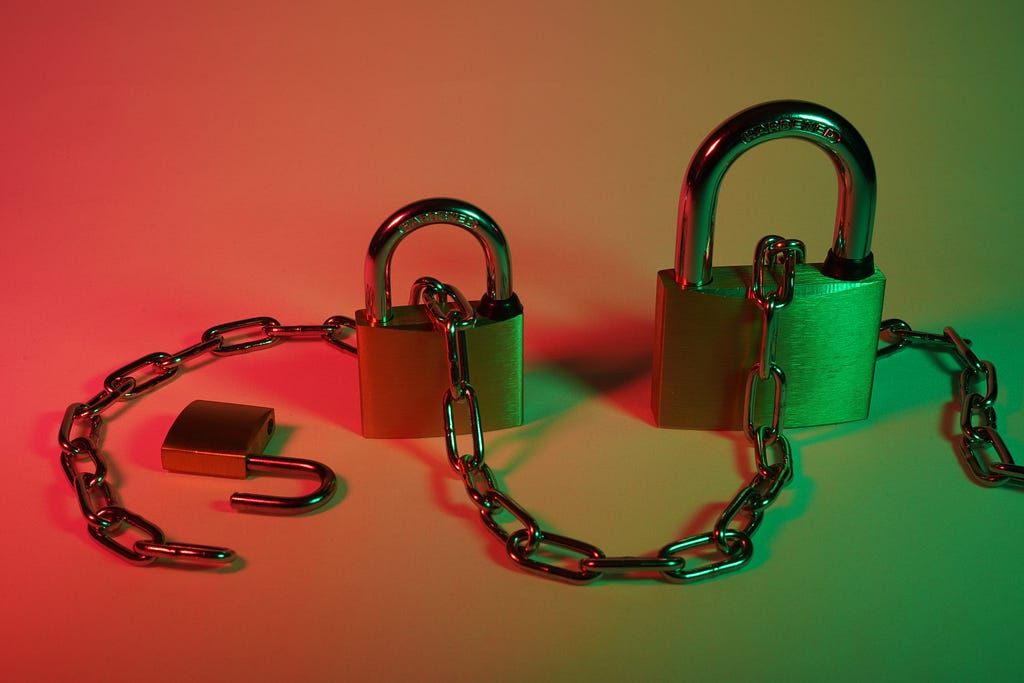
point(707, 331)
point(227, 440)
point(403, 367)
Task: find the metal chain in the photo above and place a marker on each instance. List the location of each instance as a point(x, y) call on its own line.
point(79, 435)
point(978, 431)
point(531, 547)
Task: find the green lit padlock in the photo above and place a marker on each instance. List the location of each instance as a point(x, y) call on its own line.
point(707, 330)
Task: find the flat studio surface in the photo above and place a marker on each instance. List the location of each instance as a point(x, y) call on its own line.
point(169, 168)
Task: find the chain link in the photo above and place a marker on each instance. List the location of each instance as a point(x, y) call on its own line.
point(86, 468)
point(978, 432)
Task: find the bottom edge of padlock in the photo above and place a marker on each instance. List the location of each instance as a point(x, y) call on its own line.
point(403, 432)
point(738, 425)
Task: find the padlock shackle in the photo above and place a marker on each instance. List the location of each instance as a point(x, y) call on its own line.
point(850, 257)
point(498, 302)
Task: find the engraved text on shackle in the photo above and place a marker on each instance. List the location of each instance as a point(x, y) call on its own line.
point(428, 217)
point(808, 125)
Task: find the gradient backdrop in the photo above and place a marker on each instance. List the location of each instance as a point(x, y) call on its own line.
point(170, 166)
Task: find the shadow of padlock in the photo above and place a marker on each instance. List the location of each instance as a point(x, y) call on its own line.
point(707, 330)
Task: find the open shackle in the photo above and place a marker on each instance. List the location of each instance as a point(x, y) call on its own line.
point(499, 302)
point(850, 257)
point(227, 440)
point(327, 484)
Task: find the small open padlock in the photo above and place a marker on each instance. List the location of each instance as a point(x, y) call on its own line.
point(403, 372)
point(706, 328)
point(227, 440)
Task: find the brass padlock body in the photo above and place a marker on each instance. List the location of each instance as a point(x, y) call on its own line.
point(403, 373)
point(703, 351)
point(214, 438)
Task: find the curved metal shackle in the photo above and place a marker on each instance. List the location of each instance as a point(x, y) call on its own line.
point(256, 502)
point(499, 296)
point(850, 257)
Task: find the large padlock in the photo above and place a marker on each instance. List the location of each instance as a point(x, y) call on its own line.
point(403, 366)
point(707, 330)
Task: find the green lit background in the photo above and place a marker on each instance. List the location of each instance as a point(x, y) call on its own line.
point(167, 168)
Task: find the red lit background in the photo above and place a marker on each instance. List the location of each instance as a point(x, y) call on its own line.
point(168, 168)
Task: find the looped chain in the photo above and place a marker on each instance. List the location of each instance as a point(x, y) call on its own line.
point(977, 407)
point(529, 546)
point(765, 486)
point(86, 468)
point(570, 559)
point(451, 313)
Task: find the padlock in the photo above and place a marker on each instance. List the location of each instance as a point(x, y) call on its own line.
point(227, 440)
point(707, 330)
point(403, 366)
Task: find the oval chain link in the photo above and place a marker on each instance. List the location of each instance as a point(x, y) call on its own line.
point(107, 521)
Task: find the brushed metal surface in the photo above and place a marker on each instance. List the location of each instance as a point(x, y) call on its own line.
point(403, 374)
point(706, 341)
point(214, 438)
